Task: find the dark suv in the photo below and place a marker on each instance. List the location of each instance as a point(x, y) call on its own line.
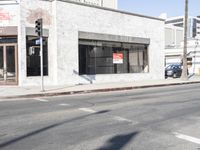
point(173, 70)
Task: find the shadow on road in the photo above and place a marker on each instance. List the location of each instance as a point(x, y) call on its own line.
point(17, 139)
point(118, 142)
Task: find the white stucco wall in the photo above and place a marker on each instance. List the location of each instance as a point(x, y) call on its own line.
point(9, 15)
point(30, 11)
point(72, 18)
point(64, 20)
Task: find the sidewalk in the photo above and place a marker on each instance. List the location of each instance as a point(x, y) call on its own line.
point(8, 92)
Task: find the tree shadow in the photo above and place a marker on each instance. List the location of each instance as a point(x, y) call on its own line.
point(35, 132)
point(118, 142)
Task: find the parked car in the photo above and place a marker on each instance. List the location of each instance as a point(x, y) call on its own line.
point(173, 70)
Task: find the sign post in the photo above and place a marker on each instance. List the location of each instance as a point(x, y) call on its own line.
point(41, 64)
point(38, 30)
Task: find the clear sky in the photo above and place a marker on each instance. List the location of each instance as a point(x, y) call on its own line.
point(156, 7)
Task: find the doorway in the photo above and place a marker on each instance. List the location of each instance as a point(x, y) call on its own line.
point(8, 64)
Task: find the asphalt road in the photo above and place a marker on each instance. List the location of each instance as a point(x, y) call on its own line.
point(166, 118)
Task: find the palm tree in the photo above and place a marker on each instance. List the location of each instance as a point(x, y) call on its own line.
point(184, 75)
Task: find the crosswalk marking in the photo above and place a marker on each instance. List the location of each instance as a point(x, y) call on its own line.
point(118, 118)
point(87, 110)
point(122, 119)
point(41, 100)
point(187, 138)
point(64, 104)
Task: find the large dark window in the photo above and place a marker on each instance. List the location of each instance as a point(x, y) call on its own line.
point(33, 56)
point(99, 57)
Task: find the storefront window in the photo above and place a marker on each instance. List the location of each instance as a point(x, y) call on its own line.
point(99, 57)
point(33, 56)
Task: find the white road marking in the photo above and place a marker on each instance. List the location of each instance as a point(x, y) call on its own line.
point(41, 100)
point(187, 138)
point(64, 104)
point(87, 110)
point(118, 118)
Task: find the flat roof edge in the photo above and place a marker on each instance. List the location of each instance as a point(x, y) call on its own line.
point(110, 9)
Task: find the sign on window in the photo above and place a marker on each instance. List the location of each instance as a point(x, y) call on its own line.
point(117, 58)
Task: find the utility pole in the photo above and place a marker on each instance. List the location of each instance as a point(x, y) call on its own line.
point(184, 75)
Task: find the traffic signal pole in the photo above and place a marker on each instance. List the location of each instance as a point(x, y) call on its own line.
point(41, 64)
point(38, 30)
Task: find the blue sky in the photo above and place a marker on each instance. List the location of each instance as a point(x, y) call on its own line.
point(156, 7)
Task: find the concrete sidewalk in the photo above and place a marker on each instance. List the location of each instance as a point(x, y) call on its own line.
point(8, 92)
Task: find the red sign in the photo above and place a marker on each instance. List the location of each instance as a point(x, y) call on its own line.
point(118, 58)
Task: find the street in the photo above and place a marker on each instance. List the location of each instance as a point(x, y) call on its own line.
point(164, 118)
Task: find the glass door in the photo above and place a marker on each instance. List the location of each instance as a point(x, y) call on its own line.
point(8, 64)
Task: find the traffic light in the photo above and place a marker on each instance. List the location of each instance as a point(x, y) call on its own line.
point(38, 27)
point(189, 61)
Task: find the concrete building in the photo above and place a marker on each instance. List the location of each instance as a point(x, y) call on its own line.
point(193, 24)
point(174, 48)
point(173, 36)
point(174, 55)
point(82, 44)
point(173, 44)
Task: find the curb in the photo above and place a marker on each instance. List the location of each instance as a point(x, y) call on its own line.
point(95, 90)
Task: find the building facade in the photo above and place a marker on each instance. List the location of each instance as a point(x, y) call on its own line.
point(82, 44)
point(174, 49)
point(175, 55)
point(173, 36)
point(193, 24)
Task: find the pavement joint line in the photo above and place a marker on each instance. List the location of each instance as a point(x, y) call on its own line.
point(64, 104)
point(187, 138)
point(41, 100)
point(87, 110)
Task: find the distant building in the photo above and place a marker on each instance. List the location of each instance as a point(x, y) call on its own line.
point(174, 35)
point(102, 3)
point(193, 24)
